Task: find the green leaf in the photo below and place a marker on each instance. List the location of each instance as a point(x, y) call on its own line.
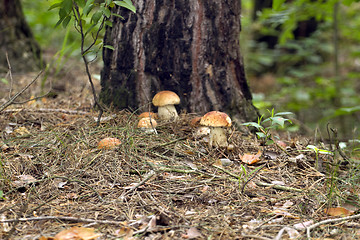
point(59, 22)
point(126, 4)
point(66, 21)
point(117, 15)
point(326, 152)
point(252, 124)
point(108, 23)
point(62, 13)
point(346, 111)
point(312, 147)
point(279, 120)
point(96, 17)
point(277, 4)
point(283, 113)
point(90, 28)
point(105, 11)
point(67, 5)
point(2, 194)
point(62, 16)
point(81, 3)
point(261, 135)
point(4, 80)
point(109, 47)
point(55, 5)
point(88, 7)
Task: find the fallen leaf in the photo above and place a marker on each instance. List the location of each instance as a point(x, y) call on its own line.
point(250, 158)
point(32, 100)
point(338, 211)
point(77, 233)
point(23, 180)
point(195, 122)
point(281, 143)
point(21, 131)
point(124, 232)
point(192, 233)
point(3, 146)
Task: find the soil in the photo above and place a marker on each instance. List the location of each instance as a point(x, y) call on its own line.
point(159, 185)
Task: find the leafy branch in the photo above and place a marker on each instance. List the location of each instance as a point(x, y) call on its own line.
point(89, 17)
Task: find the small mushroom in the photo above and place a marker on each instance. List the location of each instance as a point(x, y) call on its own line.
point(217, 121)
point(108, 143)
point(147, 124)
point(165, 101)
point(148, 114)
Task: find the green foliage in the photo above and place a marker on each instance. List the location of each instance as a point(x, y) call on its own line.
point(245, 176)
point(4, 80)
point(265, 126)
point(90, 17)
point(306, 81)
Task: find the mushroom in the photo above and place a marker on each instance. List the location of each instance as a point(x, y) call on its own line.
point(147, 124)
point(217, 121)
point(108, 143)
point(165, 101)
point(148, 114)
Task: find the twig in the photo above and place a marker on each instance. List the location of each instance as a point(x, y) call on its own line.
point(81, 182)
point(63, 218)
point(16, 222)
point(255, 237)
point(338, 148)
point(47, 110)
point(12, 99)
point(278, 187)
point(150, 175)
point(10, 73)
point(279, 235)
point(226, 171)
point(168, 143)
point(308, 229)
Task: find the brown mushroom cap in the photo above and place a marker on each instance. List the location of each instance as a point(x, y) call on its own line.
point(146, 123)
point(108, 143)
point(148, 114)
point(215, 119)
point(165, 98)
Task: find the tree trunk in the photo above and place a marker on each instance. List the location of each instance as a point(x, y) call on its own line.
point(190, 47)
point(17, 40)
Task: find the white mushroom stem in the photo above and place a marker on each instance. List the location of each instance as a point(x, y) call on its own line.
point(167, 112)
point(218, 137)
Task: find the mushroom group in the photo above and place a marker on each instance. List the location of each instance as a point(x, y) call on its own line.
point(217, 122)
point(165, 101)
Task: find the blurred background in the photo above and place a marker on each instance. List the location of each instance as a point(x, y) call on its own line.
point(300, 56)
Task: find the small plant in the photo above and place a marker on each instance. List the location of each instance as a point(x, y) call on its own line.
point(264, 126)
point(245, 177)
point(318, 151)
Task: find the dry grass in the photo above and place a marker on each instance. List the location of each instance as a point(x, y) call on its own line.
point(187, 186)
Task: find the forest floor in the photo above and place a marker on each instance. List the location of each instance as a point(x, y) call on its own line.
point(167, 185)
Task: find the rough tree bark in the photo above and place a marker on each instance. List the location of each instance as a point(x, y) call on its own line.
point(190, 47)
point(17, 39)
